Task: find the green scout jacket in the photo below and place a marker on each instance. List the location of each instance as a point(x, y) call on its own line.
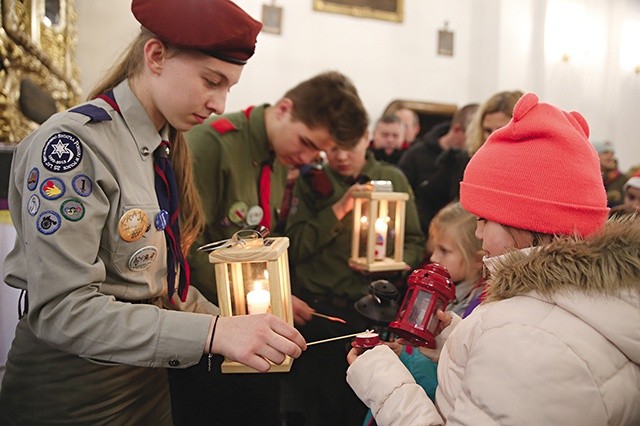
point(228, 153)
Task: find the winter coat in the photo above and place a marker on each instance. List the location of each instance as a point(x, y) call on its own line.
point(556, 342)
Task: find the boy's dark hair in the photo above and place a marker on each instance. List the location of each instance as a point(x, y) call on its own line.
point(330, 100)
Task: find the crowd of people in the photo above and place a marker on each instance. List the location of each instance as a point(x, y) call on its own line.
point(119, 324)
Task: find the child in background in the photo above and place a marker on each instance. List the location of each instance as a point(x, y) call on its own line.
point(454, 245)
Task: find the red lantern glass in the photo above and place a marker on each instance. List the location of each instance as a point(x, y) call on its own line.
point(429, 289)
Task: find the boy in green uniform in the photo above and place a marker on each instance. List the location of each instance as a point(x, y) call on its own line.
point(234, 157)
point(240, 168)
point(320, 230)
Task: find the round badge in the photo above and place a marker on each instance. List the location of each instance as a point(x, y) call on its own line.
point(254, 215)
point(82, 185)
point(72, 209)
point(143, 258)
point(52, 188)
point(133, 224)
point(162, 220)
point(48, 222)
point(62, 152)
point(33, 205)
point(238, 212)
point(32, 179)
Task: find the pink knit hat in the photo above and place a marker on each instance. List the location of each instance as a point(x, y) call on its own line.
point(538, 173)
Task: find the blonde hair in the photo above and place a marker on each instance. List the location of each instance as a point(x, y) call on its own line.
point(503, 102)
point(461, 225)
point(129, 65)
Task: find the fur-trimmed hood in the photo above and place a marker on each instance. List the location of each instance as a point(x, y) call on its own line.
point(596, 278)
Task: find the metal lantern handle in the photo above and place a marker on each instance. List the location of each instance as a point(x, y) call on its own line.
point(246, 236)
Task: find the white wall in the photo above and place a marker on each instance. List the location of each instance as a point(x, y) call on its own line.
point(499, 45)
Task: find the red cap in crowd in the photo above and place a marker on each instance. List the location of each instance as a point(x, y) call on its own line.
point(538, 173)
point(218, 28)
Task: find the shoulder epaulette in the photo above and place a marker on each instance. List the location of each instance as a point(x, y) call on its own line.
point(95, 113)
point(222, 125)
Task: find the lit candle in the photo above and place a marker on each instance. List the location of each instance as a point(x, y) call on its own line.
point(258, 299)
point(380, 250)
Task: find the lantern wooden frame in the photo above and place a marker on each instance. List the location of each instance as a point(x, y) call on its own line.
point(379, 202)
point(232, 282)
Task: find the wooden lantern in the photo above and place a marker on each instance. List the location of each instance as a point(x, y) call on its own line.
point(253, 277)
point(378, 228)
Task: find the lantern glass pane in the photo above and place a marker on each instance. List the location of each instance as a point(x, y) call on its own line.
point(391, 227)
point(364, 227)
point(419, 309)
point(256, 287)
point(405, 302)
point(433, 322)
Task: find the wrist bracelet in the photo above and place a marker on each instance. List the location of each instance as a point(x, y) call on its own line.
point(213, 333)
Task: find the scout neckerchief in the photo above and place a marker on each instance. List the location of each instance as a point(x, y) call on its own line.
point(264, 184)
point(264, 192)
point(167, 194)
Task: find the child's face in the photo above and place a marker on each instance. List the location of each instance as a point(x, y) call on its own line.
point(497, 239)
point(632, 199)
point(447, 253)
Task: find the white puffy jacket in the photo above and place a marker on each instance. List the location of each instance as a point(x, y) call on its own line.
point(558, 344)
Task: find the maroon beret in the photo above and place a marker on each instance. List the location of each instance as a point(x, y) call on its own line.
point(218, 28)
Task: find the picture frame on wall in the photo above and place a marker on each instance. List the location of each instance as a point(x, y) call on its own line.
point(388, 10)
point(271, 19)
point(445, 42)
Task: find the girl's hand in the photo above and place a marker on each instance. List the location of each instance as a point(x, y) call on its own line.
point(256, 340)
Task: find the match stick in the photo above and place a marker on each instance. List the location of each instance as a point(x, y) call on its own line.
point(336, 319)
point(333, 338)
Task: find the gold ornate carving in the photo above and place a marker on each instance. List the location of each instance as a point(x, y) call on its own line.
point(38, 50)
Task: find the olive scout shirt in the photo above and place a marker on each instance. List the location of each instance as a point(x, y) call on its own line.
point(228, 154)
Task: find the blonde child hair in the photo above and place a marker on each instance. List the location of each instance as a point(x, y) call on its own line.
point(461, 225)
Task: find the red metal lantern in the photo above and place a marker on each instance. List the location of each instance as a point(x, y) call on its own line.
point(429, 289)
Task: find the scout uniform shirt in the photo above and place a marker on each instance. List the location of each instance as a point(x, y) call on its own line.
point(229, 153)
point(321, 245)
point(83, 201)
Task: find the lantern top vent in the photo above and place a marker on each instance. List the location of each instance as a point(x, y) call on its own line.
point(259, 249)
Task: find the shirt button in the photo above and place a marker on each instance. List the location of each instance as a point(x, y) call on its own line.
point(144, 151)
point(174, 362)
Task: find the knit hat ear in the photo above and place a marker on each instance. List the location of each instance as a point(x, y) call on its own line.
point(538, 173)
point(582, 122)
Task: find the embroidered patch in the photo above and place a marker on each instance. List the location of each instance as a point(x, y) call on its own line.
point(52, 188)
point(48, 222)
point(62, 152)
point(72, 209)
point(162, 220)
point(143, 258)
point(33, 205)
point(82, 185)
point(33, 178)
